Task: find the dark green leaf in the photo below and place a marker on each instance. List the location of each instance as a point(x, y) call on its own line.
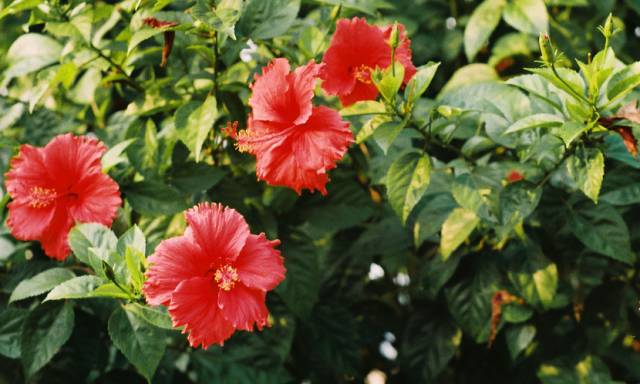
point(140, 342)
point(154, 197)
point(300, 289)
point(45, 330)
point(602, 229)
point(11, 320)
point(263, 20)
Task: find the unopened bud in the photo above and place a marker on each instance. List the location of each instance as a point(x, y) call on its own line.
point(335, 12)
point(607, 29)
point(546, 49)
point(394, 38)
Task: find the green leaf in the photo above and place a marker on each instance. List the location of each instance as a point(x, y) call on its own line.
point(511, 45)
point(388, 81)
point(110, 290)
point(458, 226)
point(431, 346)
point(191, 177)
point(364, 107)
point(227, 13)
point(626, 195)
point(370, 126)
point(435, 273)
point(483, 21)
point(528, 16)
point(44, 332)
point(386, 133)
point(519, 337)
point(431, 216)
point(133, 238)
point(420, 81)
point(156, 316)
point(11, 320)
point(587, 170)
point(539, 120)
point(77, 288)
point(300, 289)
point(193, 123)
point(571, 80)
point(569, 131)
point(469, 300)
point(263, 20)
point(143, 34)
point(517, 202)
point(40, 283)
point(141, 343)
point(590, 370)
point(18, 6)
point(29, 53)
point(616, 149)
point(222, 18)
point(407, 179)
point(624, 81)
point(469, 74)
point(65, 76)
point(153, 197)
point(135, 261)
point(466, 194)
point(90, 235)
point(533, 275)
point(115, 155)
point(602, 230)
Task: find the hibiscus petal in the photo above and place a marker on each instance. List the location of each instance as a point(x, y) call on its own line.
point(303, 83)
point(260, 264)
point(28, 170)
point(70, 158)
point(354, 44)
point(28, 223)
point(270, 99)
point(221, 232)
point(301, 159)
point(361, 91)
point(243, 307)
point(54, 239)
point(194, 305)
point(174, 260)
point(97, 199)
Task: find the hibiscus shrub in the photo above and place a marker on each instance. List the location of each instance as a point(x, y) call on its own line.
point(275, 191)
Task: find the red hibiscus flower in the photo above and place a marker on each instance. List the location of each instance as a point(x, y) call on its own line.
point(356, 49)
point(56, 186)
point(295, 143)
point(514, 176)
point(214, 277)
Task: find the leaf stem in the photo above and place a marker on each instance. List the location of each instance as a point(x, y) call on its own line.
point(128, 79)
point(573, 91)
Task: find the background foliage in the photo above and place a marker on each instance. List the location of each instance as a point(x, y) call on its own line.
point(466, 275)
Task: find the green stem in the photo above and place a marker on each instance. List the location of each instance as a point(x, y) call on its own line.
point(128, 79)
point(573, 91)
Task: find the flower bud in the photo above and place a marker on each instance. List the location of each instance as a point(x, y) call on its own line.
point(608, 28)
point(546, 49)
point(394, 38)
